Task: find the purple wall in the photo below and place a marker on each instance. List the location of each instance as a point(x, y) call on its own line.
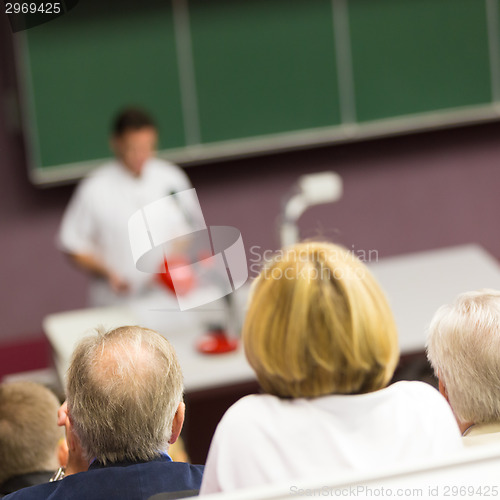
point(402, 194)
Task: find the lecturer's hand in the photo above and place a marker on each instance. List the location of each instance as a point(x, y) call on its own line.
point(94, 265)
point(118, 284)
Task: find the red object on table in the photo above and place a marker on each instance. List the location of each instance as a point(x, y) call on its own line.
point(216, 342)
point(184, 278)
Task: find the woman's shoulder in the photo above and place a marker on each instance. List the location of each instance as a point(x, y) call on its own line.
point(422, 399)
point(257, 412)
point(415, 389)
point(247, 406)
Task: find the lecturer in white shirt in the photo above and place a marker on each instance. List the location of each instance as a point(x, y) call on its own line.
point(94, 230)
point(322, 340)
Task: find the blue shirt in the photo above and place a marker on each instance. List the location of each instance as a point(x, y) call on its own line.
point(123, 480)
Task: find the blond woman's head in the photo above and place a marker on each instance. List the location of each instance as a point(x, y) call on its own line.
point(318, 323)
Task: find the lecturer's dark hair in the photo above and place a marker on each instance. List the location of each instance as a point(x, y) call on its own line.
point(131, 118)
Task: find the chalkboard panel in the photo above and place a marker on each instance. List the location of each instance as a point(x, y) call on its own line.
point(263, 66)
point(412, 56)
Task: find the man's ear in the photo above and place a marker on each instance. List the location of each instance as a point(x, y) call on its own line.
point(71, 439)
point(177, 423)
point(76, 460)
point(442, 388)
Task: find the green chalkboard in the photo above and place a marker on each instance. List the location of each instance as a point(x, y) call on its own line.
point(234, 77)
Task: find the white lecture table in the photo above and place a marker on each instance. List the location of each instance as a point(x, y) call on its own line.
point(416, 285)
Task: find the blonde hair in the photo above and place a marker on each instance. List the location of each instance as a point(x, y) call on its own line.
point(28, 429)
point(463, 347)
point(123, 390)
point(318, 323)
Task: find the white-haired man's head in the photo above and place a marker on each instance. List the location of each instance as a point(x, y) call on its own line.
point(124, 393)
point(463, 347)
